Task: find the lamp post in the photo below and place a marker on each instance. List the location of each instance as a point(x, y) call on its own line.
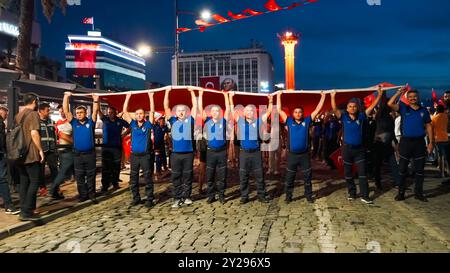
point(205, 15)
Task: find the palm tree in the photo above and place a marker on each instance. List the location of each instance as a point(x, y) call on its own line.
point(26, 29)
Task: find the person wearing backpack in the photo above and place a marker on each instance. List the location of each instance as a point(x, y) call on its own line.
point(84, 147)
point(29, 164)
point(248, 132)
point(4, 187)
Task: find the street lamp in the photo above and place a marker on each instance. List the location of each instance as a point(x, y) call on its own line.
point(205, 15)
point(145, 50)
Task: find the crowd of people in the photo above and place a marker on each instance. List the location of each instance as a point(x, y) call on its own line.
point(398, 131)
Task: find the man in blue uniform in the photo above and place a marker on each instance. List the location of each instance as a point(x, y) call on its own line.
point(182, 157)
point(354, 151)
point(249, 134)
point(84, 147)
point(112, 148)
point(298, 146)
point(216, 159)
point(416, 124)
point(141, 149)
point(160, 130)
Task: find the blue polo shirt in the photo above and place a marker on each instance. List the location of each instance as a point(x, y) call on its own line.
point(83, 135)
point(413, 121)
point(331, 129)
point(112, 132)
point(141, 141)
point(353, 129)
point(216, 132)
point(249, 133)
point(182, 134)
point(298, 135)
point(159, 133)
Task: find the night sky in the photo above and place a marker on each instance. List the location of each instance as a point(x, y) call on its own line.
point(345, 43)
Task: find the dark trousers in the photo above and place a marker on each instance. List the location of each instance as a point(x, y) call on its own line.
point(111, 164)
point(251, 161)
point(85, 171)
point(161, 157)
point(293, 162)
point(414, 149)
point(65, 169)
point(356, 156)
point(138, 162)
point(51, 159)
point(331, 145)
point(29, 184)
point(216, 172)
point(384, 152)
point(182, 174)
point(316, 146)
point(4, 186)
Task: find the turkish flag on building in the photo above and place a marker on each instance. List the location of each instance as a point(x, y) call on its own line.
point(210, 82)
point(85, 62)
point(88, 21)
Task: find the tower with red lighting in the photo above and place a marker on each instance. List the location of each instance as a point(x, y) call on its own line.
point(289, 40)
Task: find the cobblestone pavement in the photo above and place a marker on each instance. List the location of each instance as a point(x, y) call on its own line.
point(332, 224)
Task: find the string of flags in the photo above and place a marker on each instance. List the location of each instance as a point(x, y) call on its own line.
point(270, 6)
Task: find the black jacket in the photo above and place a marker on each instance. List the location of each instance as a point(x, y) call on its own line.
point(2, 136)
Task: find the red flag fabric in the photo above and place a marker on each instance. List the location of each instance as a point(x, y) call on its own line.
point(85, 60)
point(88, 21)
point(201, 22)
point(294, 5)
point(272, 5)
point(369, 100)
point(338, 161)
point(236, 16)
point(180, 95)
point(183, 29)
point(404, 97)
point(252, 12)
point(210, 82)
point(434, 96)
point(220, 18)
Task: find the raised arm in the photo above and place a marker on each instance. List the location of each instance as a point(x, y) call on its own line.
point(126, 115)
point(151, 115)
point(95, 107)
point(336, 111)
point(392, 103)
point(282, 114)
point(319, 106)
point(226, 115)
point(266, 115)
point(375, 103)
point(167, 109)
point(66, 109)
point(200, 105)
point(194, 104)
point(234, 115)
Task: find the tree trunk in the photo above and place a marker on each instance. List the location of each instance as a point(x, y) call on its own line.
point(24, 40)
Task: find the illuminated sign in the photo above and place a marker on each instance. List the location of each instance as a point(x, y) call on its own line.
point(265, 87)
point(84, 46)
point(9, 29)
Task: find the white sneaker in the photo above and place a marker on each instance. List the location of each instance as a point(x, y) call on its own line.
point(176, 204)
point(188, 201)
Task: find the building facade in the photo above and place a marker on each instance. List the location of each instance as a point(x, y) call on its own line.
point(251, 70)
point(95, 61)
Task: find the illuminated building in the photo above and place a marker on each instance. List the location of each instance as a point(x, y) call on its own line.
point(95, 61)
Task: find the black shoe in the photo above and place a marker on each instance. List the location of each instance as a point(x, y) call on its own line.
point(263, 200)
point(351, 197)
point(25, 218)
point(310, 200)
point(135, 203)
point(211, 200)
point(366, 200)
point(288, 200)
point(421, 197)
point(116, 187)
point(222, 200)
point(244, 201)
point(93, 199)
point(149, 204)
point(57, 196)
point(83, 199)
point(400, 197)
point(11, 210)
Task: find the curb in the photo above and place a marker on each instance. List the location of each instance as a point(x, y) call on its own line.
point(24, 226)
